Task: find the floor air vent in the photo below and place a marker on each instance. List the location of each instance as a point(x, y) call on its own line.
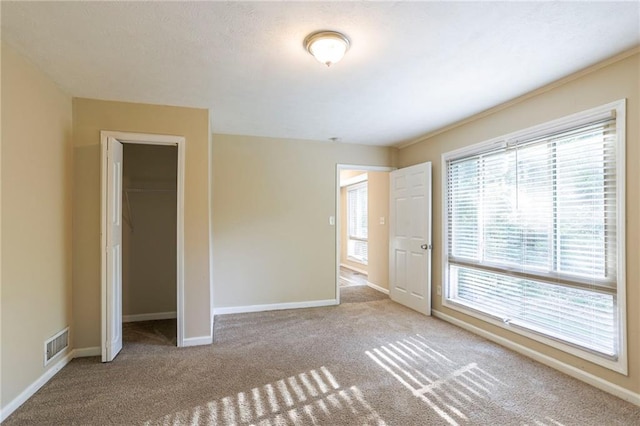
point(55, 345)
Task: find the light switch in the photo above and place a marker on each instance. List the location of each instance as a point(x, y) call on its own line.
point(381, 220)
point(332, 220)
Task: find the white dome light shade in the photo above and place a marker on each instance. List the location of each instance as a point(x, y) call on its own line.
point(328, 47)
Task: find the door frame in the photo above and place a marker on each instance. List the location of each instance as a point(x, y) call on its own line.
point(339, 168)
point(142, 139)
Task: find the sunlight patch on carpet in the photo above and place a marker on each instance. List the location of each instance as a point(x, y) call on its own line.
point(449, 390)
point(310, 398)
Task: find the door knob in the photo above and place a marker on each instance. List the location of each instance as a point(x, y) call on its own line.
point(425, 246)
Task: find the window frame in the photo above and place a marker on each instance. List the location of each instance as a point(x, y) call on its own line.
point(348, 188)
point(616, 109)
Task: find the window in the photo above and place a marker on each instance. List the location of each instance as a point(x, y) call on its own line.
point(357, 246)
point(534, 238)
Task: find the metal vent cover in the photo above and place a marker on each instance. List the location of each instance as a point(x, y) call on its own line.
point(55, 345)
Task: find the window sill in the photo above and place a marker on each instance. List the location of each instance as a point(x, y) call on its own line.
point(618, 365)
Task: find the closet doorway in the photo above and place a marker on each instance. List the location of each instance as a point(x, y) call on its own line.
point(143, 227)
point(149, 178)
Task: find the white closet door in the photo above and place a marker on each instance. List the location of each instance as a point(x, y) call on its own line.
point(112, 342)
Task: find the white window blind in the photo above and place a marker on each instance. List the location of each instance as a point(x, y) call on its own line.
point(532, 234)
point(357, 218)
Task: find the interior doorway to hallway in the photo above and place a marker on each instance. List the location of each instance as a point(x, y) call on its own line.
point(362, 232)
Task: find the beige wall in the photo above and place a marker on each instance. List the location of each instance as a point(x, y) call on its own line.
point(613, 82)
point(89, 118)
point(149, 235)
point(378, 193)
point(347, 174)
point(36, 220)
point(272, 201)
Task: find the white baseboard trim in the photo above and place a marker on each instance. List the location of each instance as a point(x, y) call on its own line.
point(377, 287)
point(570, 370)
point(85, 352)
point(274, 307)
point(353, 268)
point(149, 317)
point(197, 341)
point(12, 406)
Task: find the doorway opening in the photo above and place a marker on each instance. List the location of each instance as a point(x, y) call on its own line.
point(362, 236)
point(142, 240)
point(149, 244)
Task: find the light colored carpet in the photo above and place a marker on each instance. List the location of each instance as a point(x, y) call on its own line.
point(359, 363)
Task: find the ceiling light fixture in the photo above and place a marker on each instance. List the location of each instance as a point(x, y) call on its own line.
point(328, 47)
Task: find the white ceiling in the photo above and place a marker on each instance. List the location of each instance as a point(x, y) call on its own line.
point(413, 67)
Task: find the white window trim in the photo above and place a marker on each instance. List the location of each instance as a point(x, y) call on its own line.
point(618, 108)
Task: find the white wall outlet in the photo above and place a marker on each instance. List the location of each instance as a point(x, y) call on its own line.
point(439, 290)
point(332, 220)
point(382, 220)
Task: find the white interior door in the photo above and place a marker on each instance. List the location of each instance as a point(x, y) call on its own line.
point(112, 341)
point(410, 237)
